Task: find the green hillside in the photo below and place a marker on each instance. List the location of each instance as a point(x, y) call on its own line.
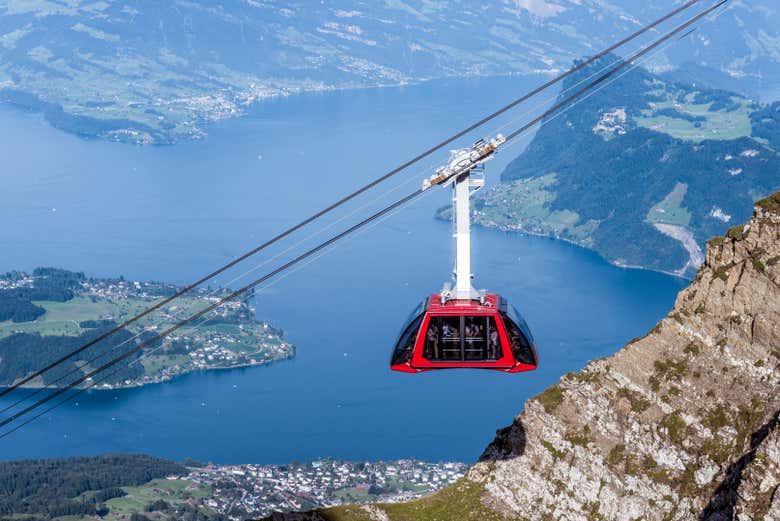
point(642, 172)
point(75, 488)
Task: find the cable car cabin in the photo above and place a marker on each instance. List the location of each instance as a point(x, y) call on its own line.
point(465, 334)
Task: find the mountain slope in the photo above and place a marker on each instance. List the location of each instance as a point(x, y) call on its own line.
point(155, 72)
point(643, 171)
point(665, 427)
point(683, 423)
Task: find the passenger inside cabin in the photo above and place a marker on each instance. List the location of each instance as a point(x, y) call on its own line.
point(432, 344)
point(493, 344)
point(449, 332)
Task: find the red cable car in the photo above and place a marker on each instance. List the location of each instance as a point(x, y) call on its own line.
point(479, 334)
point(462, 327)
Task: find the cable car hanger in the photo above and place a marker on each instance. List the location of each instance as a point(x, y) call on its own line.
point(465, 172)
point(463, 327)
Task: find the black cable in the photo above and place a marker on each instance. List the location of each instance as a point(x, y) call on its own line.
point(349, 197)
point(625, 63)
point(350, 230)
point(206, 310)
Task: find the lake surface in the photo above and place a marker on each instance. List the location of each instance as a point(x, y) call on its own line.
point(175, 213)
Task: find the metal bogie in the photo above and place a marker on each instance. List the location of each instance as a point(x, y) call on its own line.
point(464, 160)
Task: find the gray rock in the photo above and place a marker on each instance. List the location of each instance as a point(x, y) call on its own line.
point(681, 424)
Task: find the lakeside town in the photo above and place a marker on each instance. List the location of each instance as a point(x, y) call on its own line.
point(231, 337)
point(241, 492)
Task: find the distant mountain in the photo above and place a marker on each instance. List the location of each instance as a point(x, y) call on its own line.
point(643, 172)
point(681, 424)
point(155, 72)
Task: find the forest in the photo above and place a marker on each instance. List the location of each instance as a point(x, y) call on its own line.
point(50, 488)
point(23, 353)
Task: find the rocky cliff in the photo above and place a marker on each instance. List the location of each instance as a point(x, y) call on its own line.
point(682, 424)
point(678, 423)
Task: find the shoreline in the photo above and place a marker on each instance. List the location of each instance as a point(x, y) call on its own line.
point(510, 230)
point(138, 385)
point(234, 338)
point(72, 124)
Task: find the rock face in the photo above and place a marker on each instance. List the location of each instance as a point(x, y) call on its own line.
point(682, 424)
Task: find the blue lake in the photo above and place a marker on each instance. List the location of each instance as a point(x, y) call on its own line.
point(175, 213)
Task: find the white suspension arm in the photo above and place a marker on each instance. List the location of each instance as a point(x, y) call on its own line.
point(458, 172)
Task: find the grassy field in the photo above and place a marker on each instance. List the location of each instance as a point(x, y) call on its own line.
point(63, 318)
point(671, 210)
point(173, 491)
point(361, 494)
point(711, 124)
point(525, 205)
point(461, 501)
point(155, 364)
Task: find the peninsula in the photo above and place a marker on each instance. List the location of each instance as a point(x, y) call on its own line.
point(50, 312)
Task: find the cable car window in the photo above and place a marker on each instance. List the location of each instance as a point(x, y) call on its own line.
point(433, 340)
point(475, 340)
point(442, 339)
point(515, 317)
point(458, 339)
point(518, 343)
point(493, 340)
point(448, 330)
point(405, 346)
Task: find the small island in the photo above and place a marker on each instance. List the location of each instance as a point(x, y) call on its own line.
point(51, 312)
